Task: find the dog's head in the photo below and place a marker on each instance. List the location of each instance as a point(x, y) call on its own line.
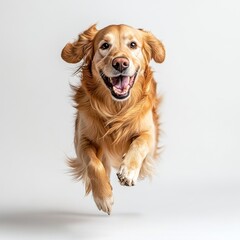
point(117, 55)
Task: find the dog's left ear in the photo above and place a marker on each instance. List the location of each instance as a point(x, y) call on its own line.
point(153, 47)
point(81, 48)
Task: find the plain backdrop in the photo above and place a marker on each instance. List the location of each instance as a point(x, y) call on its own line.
point(196, 191)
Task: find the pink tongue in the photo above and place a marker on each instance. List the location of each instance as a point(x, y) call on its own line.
point(121, 82)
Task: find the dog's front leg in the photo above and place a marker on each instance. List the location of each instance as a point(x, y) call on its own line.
point(101, 188)
point(132, 161)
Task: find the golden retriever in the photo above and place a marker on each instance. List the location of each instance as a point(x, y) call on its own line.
point(117, 121)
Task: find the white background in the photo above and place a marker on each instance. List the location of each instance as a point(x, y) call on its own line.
point(196, 192)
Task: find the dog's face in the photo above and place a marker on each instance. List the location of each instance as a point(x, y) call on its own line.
point(117, 54)
point(118, 58)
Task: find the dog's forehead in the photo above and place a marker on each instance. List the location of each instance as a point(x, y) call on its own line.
point(121, 32)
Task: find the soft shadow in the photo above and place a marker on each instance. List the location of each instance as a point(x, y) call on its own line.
point(57, 223)
point(45, 222)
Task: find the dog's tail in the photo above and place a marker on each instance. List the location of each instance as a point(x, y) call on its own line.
point(79, 172)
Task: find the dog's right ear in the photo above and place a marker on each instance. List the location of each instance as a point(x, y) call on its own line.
point(80, 49)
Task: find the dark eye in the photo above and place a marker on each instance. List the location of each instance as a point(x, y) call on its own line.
point(133, 45)
point(105, 46)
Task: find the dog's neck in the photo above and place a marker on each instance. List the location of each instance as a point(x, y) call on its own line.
point(95, 100)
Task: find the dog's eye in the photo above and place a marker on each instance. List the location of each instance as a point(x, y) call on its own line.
point(133, 45)
point(105, 46)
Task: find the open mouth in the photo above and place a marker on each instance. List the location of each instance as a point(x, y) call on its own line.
point(120, 85)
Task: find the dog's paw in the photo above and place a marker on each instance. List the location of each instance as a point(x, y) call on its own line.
point(126, 176)
point(104, 204)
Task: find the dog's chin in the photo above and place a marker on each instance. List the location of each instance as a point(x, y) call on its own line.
point(119, 86)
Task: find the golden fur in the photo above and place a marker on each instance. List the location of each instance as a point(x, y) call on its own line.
point(117, 121)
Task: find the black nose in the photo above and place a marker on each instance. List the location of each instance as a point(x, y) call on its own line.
point(120, 63)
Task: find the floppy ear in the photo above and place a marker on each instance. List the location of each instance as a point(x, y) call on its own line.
point(154, 48)
point(80, 49)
